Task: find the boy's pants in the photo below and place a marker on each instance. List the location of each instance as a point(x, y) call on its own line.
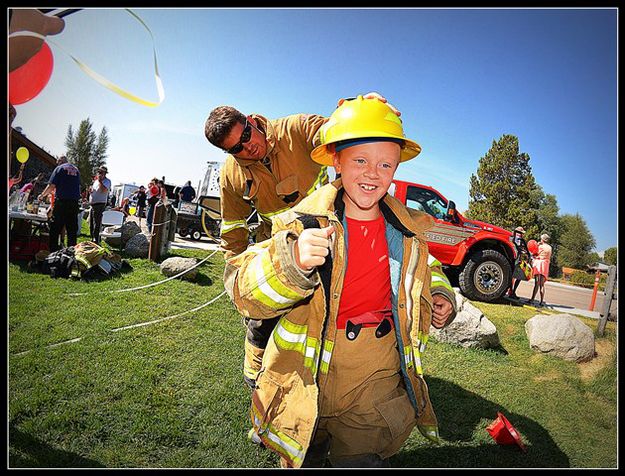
point(365, 413)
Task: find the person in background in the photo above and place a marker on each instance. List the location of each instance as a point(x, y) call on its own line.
point(98, 201)
point(154, 194)
point(29, 188)
point(540, 265)
point(141, 198)
point(64, 183)
point(187, 192)
point(15, 180)
point(522, 259)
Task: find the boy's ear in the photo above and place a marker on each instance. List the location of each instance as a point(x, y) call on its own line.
point(335, 161)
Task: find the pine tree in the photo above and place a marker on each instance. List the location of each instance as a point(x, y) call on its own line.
point(576, 242)
point(503, 191)
point(86, 151)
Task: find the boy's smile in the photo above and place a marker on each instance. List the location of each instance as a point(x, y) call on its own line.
point(367, 171)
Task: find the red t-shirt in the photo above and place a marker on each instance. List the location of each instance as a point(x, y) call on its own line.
point(367, 283)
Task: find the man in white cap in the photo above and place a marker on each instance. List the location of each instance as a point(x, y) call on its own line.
point(98, 200)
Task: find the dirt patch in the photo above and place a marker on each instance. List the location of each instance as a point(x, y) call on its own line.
point(603, 352)
point(548, 376)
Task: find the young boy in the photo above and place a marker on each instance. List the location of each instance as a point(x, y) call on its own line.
point(349, 274)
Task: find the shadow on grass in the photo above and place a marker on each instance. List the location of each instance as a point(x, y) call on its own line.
point(459, 413)
point(29, 452)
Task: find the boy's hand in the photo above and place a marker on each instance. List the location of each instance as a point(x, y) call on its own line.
point(312, 247)
point(442, 310)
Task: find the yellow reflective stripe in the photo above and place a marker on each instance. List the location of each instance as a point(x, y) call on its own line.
point(439, 279)
point(290, 336)
point(326, 355)
point(267, 216)
point(433, 261)
point(227, 226)
point(417, 361)
point(408, 356)
point(310, 356)
point(269, 290)
point(322, 179)
point(277, 440)
point(430, 432)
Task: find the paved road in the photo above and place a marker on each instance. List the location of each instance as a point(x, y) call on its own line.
point(563, 296)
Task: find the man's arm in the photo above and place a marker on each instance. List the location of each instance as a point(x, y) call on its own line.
point(50, 188)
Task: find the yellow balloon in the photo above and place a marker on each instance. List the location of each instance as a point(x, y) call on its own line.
point(22, 154)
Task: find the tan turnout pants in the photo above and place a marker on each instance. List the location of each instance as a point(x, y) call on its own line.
point(365, 412)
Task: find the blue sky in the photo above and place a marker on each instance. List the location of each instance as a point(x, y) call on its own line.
point(461, 78)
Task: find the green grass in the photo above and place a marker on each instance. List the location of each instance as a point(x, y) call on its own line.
point(171, 394)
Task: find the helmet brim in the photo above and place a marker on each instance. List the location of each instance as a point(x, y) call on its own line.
point(321, 155)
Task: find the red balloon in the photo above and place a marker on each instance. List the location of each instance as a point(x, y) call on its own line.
point(28, 80)
point(532, 247)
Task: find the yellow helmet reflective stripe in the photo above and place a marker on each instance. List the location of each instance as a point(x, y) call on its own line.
point(361, 118)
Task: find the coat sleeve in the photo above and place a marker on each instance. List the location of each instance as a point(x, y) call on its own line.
point(234, 213)
point(310, 124)
point(440, 284)
point(264, 281)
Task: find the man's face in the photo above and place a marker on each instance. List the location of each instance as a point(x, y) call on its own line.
point(367, 171)
point(255, 148)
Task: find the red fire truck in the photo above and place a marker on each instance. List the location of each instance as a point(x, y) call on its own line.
point(476, 256)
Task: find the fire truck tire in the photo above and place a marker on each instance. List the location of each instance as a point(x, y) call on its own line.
point(183, 232)
point(486, 276)
point(196, 235)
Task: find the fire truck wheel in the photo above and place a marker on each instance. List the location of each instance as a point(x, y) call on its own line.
point(196, 235)
point(183, 232)
point(486, 276)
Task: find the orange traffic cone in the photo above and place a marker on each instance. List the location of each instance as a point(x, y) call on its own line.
point(504, 433)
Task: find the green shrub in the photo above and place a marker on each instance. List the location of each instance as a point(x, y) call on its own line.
point(581, 278)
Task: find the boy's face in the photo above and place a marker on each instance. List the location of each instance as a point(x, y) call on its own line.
point(367, 171)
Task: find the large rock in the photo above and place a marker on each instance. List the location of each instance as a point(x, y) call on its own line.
point(128, 230)
point(561, 335)
point(469, 329)
point(176, 265)
point(137, 246)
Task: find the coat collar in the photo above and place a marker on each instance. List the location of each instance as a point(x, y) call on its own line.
point(328, 202)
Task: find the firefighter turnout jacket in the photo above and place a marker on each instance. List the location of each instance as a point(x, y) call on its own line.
point(265, 282)
point(273, 185)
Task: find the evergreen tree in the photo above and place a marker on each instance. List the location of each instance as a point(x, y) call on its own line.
point(576, 242)
point(503, 191)
point(610, 256)
point(86, 150)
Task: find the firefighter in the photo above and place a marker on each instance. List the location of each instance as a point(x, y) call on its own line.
point(348, 273)
point(268, 169)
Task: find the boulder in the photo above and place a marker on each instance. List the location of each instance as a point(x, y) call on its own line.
point(470, 328)
point(561, 335)
point(128, 230)
point(176, 265)
point(137, 246)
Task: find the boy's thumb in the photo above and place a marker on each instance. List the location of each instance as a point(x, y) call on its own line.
point(328, 231)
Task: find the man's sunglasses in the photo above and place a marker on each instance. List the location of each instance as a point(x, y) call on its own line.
point(245, 137)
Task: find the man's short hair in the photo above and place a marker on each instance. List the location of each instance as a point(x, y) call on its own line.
point(220, 122)
point(61, 160)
